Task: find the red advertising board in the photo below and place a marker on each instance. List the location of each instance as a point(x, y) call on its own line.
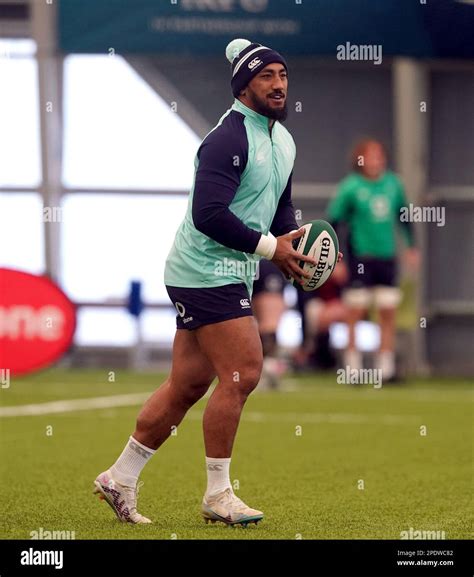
point(37, 322)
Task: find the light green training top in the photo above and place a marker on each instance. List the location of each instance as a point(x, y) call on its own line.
point(238, 160)
point(371, 208)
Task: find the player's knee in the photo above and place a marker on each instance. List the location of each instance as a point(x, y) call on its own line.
point(248, 376)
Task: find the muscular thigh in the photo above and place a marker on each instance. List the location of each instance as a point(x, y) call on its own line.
point(232, 346)
point(190, 367)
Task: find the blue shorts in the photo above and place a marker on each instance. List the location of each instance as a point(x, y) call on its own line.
point(204, 306)
point(370, 272)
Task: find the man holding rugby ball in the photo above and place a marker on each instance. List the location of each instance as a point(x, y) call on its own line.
point(239, 210)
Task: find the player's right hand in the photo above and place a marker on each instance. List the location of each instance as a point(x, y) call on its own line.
point(287, 259)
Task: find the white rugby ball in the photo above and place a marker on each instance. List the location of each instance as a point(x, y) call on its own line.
point(321, 243)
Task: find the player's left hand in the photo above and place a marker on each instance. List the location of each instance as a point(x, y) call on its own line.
point(340, 256)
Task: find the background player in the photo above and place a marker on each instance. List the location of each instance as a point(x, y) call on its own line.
point(268, 305)
point(368, 201)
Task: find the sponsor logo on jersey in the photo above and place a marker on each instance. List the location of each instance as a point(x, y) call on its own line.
point(380, 207)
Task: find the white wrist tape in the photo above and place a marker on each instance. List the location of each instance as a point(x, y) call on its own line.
point(266, 246)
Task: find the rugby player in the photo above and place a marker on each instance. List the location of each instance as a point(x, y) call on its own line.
point(368, 201)
point(239, 210)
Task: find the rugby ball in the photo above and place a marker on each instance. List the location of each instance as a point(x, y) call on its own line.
point(319, 242)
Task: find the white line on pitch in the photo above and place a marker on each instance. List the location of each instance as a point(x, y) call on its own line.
point(339, 418)
point(73, 405)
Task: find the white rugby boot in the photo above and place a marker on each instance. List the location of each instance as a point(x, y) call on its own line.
point(122, 499)
point(229, 509)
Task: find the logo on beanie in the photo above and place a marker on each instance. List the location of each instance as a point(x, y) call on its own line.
point(254, 63)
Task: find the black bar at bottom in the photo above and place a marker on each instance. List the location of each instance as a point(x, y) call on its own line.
point(236, 558)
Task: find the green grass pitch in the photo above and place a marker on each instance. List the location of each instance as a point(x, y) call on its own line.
point(322, 460)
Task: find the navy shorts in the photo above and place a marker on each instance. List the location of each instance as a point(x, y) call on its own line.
point(269, 279)
point(370, 272)
point(204, 306)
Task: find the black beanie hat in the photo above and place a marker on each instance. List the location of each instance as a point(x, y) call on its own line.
point(247, 60)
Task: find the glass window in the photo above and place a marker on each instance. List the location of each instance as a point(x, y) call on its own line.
point(118, 133)
point(159, 326)
point(14, 47)
point(98, 326)
point(20, 164)
point(108, 240)
point(104, 327)
point(21, 232)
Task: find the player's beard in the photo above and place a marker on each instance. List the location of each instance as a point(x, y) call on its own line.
point(262, 108)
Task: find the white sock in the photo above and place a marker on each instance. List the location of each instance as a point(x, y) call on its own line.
point(386, 362)
point(353, 358)
point(217, 475)
point(129, 465)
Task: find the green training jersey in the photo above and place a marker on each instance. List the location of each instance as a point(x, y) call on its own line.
point(371, 209)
